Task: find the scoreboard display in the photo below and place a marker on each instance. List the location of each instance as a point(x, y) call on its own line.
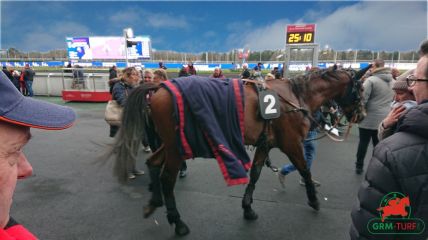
point(300, 34)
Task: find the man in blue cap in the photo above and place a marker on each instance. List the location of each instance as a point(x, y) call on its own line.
point(17, 115)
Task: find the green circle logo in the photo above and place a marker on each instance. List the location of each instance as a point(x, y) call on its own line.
point(394, 204)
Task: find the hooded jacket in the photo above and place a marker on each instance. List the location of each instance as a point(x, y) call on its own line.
point(399, 164)
point(378, 96)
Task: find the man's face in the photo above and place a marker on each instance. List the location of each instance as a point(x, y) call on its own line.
point(13, 164)
point(420, 89)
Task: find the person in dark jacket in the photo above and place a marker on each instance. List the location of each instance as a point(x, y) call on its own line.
point(122, 88)
point(28, 78)
point(162, 66)
point(112, 72)
point(16, 76)
point(7, 73)
point(184, 72)
point(191, 69)
point(399, 164)
point(130, 78)
point(245, 72)
point(258, 67)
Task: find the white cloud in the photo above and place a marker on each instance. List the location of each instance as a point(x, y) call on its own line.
point(365, 25)
point(142, 17)
point(270, 37)
point(125, 17)
point(52, 36)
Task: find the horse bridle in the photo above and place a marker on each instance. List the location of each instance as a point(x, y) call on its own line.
point(352, 95)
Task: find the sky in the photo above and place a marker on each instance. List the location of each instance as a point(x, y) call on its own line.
point(199, 26)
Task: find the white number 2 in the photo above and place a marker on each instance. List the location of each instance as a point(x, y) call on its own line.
point(271, 100)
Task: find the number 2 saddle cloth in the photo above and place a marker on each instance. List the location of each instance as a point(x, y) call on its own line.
point(209, 113)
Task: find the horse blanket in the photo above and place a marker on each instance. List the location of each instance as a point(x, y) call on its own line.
point(209, 113)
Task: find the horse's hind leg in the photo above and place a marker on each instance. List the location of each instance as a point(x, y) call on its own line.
point(162, 115)
point(258, 162)
point(168, 178)
point(154, 164)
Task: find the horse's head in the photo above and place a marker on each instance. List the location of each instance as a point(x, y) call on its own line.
point(350, 100)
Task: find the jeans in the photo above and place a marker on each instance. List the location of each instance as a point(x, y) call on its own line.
point(309, 148)
point(363, 144)
point(29, 85)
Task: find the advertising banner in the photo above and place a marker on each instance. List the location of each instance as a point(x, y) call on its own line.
point(88, 48)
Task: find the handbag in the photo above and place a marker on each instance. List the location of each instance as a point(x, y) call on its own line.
point(113, 114)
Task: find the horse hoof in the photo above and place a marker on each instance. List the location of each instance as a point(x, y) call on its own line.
point(181, 228)
point(314, 204)
point(148, 210)
point(250, 214)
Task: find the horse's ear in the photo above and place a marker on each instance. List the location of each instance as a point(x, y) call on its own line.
point(361, 73)
point(334, 67)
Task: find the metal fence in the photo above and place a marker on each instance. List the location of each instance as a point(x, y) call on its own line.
point(325, 55)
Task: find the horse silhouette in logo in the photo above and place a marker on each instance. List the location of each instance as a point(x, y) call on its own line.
point(396, 206)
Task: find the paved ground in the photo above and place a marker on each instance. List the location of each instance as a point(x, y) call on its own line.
point(73, 195)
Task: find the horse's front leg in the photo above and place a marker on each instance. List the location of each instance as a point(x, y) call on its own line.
point(154, 164)
point(295, 153)
point(298, 160)
point(310, 189)
point(172, 165)
point(258, 162)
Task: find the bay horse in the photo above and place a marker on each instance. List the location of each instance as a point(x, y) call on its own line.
point(298, 98)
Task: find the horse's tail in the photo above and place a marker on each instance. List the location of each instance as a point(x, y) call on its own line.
point(131, 132)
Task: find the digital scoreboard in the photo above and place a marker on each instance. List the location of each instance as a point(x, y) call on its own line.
point(300, 34)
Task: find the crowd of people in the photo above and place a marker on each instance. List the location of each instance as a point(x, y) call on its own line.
point(23, 80)
point(396, 124)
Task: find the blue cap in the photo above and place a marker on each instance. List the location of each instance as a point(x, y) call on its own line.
point(26, 111)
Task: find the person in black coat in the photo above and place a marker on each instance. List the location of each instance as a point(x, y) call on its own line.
point(399, 164)
point(245, 72)
point(112, 72)
point(7, 73)
point(10, 76)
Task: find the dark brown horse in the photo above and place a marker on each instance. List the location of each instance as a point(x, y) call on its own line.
point(298, 98)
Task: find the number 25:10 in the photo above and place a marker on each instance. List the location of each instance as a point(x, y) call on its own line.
point(295, 37)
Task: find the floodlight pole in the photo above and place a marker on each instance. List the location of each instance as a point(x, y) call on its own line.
point(127, 33)
point(126, 48)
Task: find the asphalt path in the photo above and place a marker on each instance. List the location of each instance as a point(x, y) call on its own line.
point(73, 194)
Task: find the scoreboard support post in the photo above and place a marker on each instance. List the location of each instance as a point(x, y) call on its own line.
point(300, 37)
point(289, 48)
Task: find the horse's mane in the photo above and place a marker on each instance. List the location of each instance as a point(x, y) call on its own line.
point(300, 84)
